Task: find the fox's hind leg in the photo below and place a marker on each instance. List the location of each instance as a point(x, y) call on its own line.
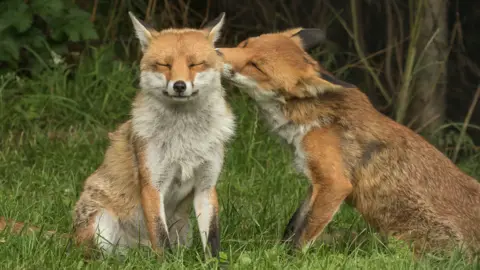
point(109, 235)
point(100, 230)
point(84, 224)
point(94, 227)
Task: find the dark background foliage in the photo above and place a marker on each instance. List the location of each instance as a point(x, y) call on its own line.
point(417, 60)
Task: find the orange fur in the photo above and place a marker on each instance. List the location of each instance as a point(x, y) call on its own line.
point(400, 183)
point(128, 187)
point(178, 54)
point(122, 192)
point(329, 185)
point(214, 200)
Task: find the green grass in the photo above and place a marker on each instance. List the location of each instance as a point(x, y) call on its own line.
point(53, 135)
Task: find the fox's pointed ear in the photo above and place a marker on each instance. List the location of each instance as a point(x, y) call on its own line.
point(214, 27)
point(310, 37)
point(142, 32)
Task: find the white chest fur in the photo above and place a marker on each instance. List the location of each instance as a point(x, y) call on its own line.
point(291, 132)
point(179, 141)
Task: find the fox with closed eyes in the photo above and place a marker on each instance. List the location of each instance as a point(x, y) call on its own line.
point(169, 155)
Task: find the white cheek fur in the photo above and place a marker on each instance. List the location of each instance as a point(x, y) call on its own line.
point(227, 71)
point(152, 81)
point(205, 79)
point(244, 81)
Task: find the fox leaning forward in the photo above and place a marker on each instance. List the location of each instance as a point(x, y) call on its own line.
point(401, 184)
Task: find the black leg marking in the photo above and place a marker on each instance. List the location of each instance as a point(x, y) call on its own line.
point(297, 222)
point(213, 240)
point(295, 229)
point(296, 225)
point(290, 229)
point(162, 234)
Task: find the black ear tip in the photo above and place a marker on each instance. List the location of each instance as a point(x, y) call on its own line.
point(311, 37)
point(314, 32)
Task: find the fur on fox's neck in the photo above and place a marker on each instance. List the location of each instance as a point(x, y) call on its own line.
point(314, 102)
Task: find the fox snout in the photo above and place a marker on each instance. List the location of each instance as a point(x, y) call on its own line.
point(232, 58)
point(228, 70)
point(179, 86)
point(180, 89)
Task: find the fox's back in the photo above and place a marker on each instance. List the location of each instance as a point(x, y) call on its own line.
point(403, 172)
point(402, 184)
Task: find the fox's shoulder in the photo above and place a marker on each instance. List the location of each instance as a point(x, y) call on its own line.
point(119, 163)
point(121, 147)
point(123, 132)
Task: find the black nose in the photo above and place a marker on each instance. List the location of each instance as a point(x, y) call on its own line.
point(179, 86)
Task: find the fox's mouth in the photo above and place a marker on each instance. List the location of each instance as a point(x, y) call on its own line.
point(181, 96)
point(238, 79)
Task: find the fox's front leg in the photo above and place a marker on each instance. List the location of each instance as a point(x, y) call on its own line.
point(153, 203)
point(154, 212)
point(206, 210)
point(328, 190)
point(206, 207)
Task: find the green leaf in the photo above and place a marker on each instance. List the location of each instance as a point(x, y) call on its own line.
point(16, 14)
point(78, 26)
point(223, 257)
point(89, 32)
point(23, 22)
point(72, 34)
point(46, 9)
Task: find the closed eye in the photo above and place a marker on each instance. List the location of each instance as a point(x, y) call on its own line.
point(256, 66)
point(196, 64)
point(162, 64)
